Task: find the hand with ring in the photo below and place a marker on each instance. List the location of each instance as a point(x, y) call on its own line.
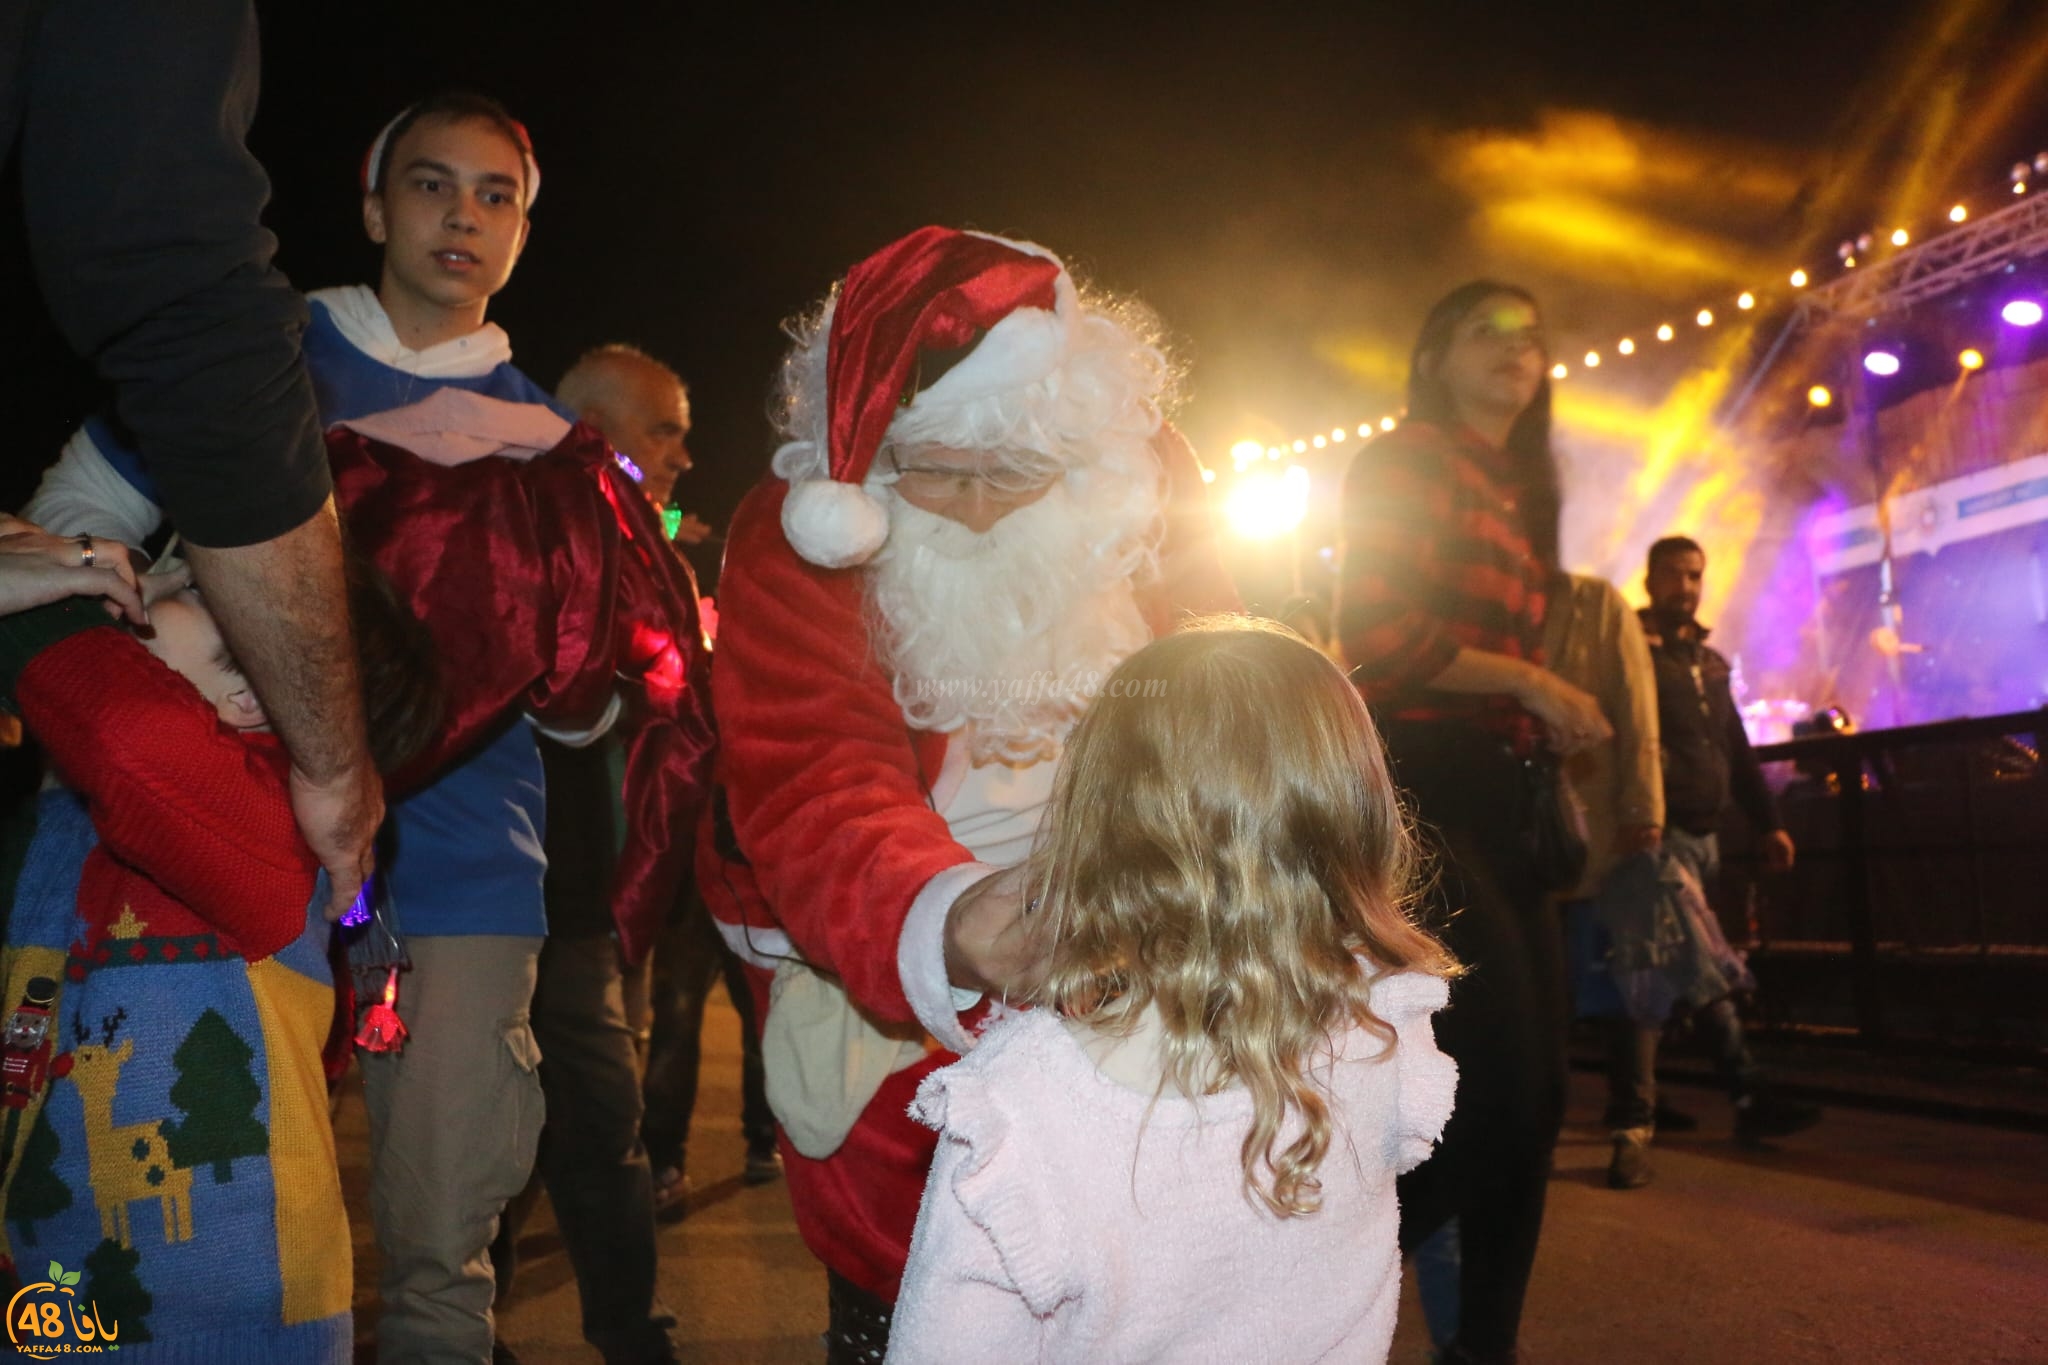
point(37, 568)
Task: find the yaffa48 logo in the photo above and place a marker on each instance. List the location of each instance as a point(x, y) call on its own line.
point(48, 1319)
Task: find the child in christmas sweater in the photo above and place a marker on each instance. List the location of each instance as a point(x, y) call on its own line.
point(177, 1148)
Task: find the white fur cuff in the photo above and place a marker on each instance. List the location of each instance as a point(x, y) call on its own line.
point(921, 956)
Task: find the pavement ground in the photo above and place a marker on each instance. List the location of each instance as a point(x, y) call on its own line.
point(1874, 1237)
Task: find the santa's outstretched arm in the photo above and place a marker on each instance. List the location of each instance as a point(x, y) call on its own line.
point(822, 785)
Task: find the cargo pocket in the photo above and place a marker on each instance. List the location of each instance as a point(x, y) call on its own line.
point(520, 1100)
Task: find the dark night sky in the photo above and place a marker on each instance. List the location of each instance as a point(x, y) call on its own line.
point(1288, 190)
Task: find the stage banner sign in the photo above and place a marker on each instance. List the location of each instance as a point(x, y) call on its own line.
point(1926, 520)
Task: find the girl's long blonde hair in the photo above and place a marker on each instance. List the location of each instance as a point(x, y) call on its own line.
point(1225, 844)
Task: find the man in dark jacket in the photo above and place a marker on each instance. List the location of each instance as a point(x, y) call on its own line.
point(1707, 763)
point(1707, 758)
point(143, 214)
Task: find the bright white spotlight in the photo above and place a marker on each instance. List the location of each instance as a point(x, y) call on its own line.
point(1745, 301)
point(1208, 475)
point(1338, 435)
point(1320, 441)
point(1264, 505)
point(1364, 430)
point(1664, 331)
point(1386, 424)
point(1799, 279)
point(1959, 214)
point(1881, 363)
point(1625, 346)
point(1244, 452)
point(1299, 447)
point(1900, 237)
point(2021, 312)
point(1592, 360)
point(1559, 371)
point(1705, 317)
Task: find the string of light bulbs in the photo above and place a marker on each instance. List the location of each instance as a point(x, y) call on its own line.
point(1848, 256)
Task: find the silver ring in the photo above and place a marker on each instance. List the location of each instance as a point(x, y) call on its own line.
point(87, 557)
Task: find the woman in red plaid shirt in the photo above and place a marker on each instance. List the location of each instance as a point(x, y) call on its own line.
point(1450, 542)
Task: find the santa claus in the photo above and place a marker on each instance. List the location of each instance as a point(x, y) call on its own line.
point(976, 511)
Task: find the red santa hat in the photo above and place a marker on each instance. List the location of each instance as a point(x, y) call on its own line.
point(940, 317)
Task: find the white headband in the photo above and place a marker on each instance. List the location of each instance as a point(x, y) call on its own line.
point(373, 161)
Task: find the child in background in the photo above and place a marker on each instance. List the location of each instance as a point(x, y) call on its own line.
point(176, 1154)
point(1188, 1152)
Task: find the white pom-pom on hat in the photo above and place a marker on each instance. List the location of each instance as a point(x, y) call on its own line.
point(832, 524)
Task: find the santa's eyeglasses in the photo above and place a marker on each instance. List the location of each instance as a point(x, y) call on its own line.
point(1000, 475)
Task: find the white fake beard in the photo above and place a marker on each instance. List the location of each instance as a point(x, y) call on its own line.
point(1008, 633)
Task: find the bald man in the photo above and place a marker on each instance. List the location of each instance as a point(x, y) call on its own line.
point(643, 408)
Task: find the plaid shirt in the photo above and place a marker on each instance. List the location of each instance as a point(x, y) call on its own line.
point(1436, 559)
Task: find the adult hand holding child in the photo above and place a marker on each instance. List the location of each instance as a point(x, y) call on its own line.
point(37, 568)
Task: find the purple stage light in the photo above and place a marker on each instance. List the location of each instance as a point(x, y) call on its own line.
point(2021, 312)
point(1881, 363)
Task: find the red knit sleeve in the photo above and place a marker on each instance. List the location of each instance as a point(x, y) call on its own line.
point(200, 811)
point(816, 764)
point(1397, 498)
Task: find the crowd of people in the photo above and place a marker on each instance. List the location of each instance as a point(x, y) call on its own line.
point(1123, 977)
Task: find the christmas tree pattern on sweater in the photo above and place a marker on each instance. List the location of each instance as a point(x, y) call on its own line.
point(155, 1161)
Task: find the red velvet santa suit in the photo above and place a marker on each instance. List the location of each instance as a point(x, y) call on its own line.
point(823, 837)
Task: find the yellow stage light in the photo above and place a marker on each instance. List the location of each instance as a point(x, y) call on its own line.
point(1705, 317)
point(1625, 346)
point(1558, 371)
point(1972, 359)
point(1338, 434)
point(1799, 279)
point(1819, 396)
point(1386, 424)
point(1849, 262)
point(1364, 430)
point(1299, 447)
point(1958, 214)
point(1264, 505)
point(1208, 476)
point(1592, 360)
point(1900, 237)
point(1244, 452)
point(1745, 301)
point(1664, 332)
point(1320, 441)
point(2019, 187)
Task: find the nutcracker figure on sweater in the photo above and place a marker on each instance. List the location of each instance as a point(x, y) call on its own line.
point(25, 1061)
